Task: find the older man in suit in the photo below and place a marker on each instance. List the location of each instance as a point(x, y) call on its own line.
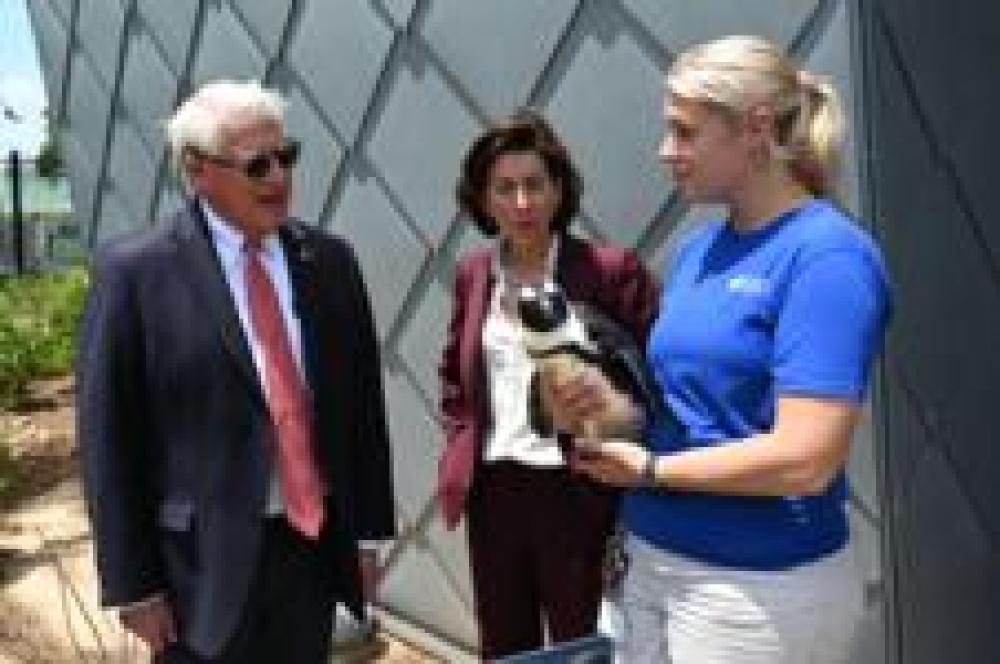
point(231, 414)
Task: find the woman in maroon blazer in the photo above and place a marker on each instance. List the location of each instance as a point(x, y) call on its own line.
point(536, 532)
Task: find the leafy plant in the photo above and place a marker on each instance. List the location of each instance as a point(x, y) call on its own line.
point(38, 320)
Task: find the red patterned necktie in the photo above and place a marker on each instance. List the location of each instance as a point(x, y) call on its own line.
point(287, 401)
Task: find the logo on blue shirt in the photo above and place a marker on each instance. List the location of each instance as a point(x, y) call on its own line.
point(748, 284)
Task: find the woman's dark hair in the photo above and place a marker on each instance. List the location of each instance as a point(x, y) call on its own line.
point(523, 131)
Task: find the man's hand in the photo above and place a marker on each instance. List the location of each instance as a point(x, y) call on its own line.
point(371, 573)
point(152, 621)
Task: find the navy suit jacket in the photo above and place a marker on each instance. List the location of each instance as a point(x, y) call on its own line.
point(175, 433)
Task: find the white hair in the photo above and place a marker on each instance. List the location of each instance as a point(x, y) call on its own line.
point(200, 123)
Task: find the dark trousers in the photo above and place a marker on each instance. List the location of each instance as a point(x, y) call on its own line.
point(289, 613)
point(536, 539)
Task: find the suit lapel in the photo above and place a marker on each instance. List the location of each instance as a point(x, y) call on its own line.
point(302, 265)
point(200, 265)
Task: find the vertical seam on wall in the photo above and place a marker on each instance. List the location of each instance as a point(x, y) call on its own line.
point(813, 29)
point(100, 186)
point(867, 132)
point(67, 62)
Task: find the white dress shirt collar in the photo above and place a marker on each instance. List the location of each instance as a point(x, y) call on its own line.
point(230, 241)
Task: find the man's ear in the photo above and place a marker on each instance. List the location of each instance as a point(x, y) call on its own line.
point(190, 164)
point(192, 168)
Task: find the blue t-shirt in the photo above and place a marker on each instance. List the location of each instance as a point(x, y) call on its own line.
point(798, 307)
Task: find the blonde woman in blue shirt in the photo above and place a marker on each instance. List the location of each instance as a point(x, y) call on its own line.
point(768, 325)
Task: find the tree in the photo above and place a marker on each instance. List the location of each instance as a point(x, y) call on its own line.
point(49, 162)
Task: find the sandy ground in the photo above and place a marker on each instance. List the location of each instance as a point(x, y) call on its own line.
point(48, 595)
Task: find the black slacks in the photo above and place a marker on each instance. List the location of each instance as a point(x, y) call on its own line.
point(289, 612)
point(537, 540)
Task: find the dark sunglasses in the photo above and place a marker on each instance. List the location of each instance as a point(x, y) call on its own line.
point(259, 165)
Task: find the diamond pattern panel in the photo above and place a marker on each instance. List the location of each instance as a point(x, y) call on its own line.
point(420, 589)
point(421, 166)
point(906, 415)
point(961, 35)
point(934, 198)
point(389, 254)
point(408, 421)
point(226, 50)
point(267, 20)
point(89, 107)
point(132, 170)
point(62, 8)
point(399, 11)
point(83, 181)
point(609, 85)
point(679, 24)
point(954, 566)
point(148, 89)
point(99, 33)
point(51, 40)
point(954, 251)
point(450, 548)
point(321, 157)
point(339, 49)
point(173, 24)
point(497, 50)
point(421, 343)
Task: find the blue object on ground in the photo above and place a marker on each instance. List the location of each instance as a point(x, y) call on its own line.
point(596, 649)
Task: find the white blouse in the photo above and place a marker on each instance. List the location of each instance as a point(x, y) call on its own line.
point(508, 373)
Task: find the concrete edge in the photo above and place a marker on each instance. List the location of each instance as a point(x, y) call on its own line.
point(422, 639)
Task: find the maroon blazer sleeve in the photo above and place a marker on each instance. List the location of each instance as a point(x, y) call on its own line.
point(457, 462)
point(635, 296)
point(454, 402)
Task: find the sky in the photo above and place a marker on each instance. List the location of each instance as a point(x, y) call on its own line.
point(21, 87)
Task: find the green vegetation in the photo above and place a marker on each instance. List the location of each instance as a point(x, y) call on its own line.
point(38, 321)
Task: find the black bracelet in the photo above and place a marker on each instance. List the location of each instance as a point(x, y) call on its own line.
point(648, 477)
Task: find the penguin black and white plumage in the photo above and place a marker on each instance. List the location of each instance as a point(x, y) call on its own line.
point(561, 336)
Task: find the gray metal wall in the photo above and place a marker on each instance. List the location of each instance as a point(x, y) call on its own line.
point(933, 99)
point(386, 95)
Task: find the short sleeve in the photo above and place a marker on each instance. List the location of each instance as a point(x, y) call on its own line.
point(831, 326)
